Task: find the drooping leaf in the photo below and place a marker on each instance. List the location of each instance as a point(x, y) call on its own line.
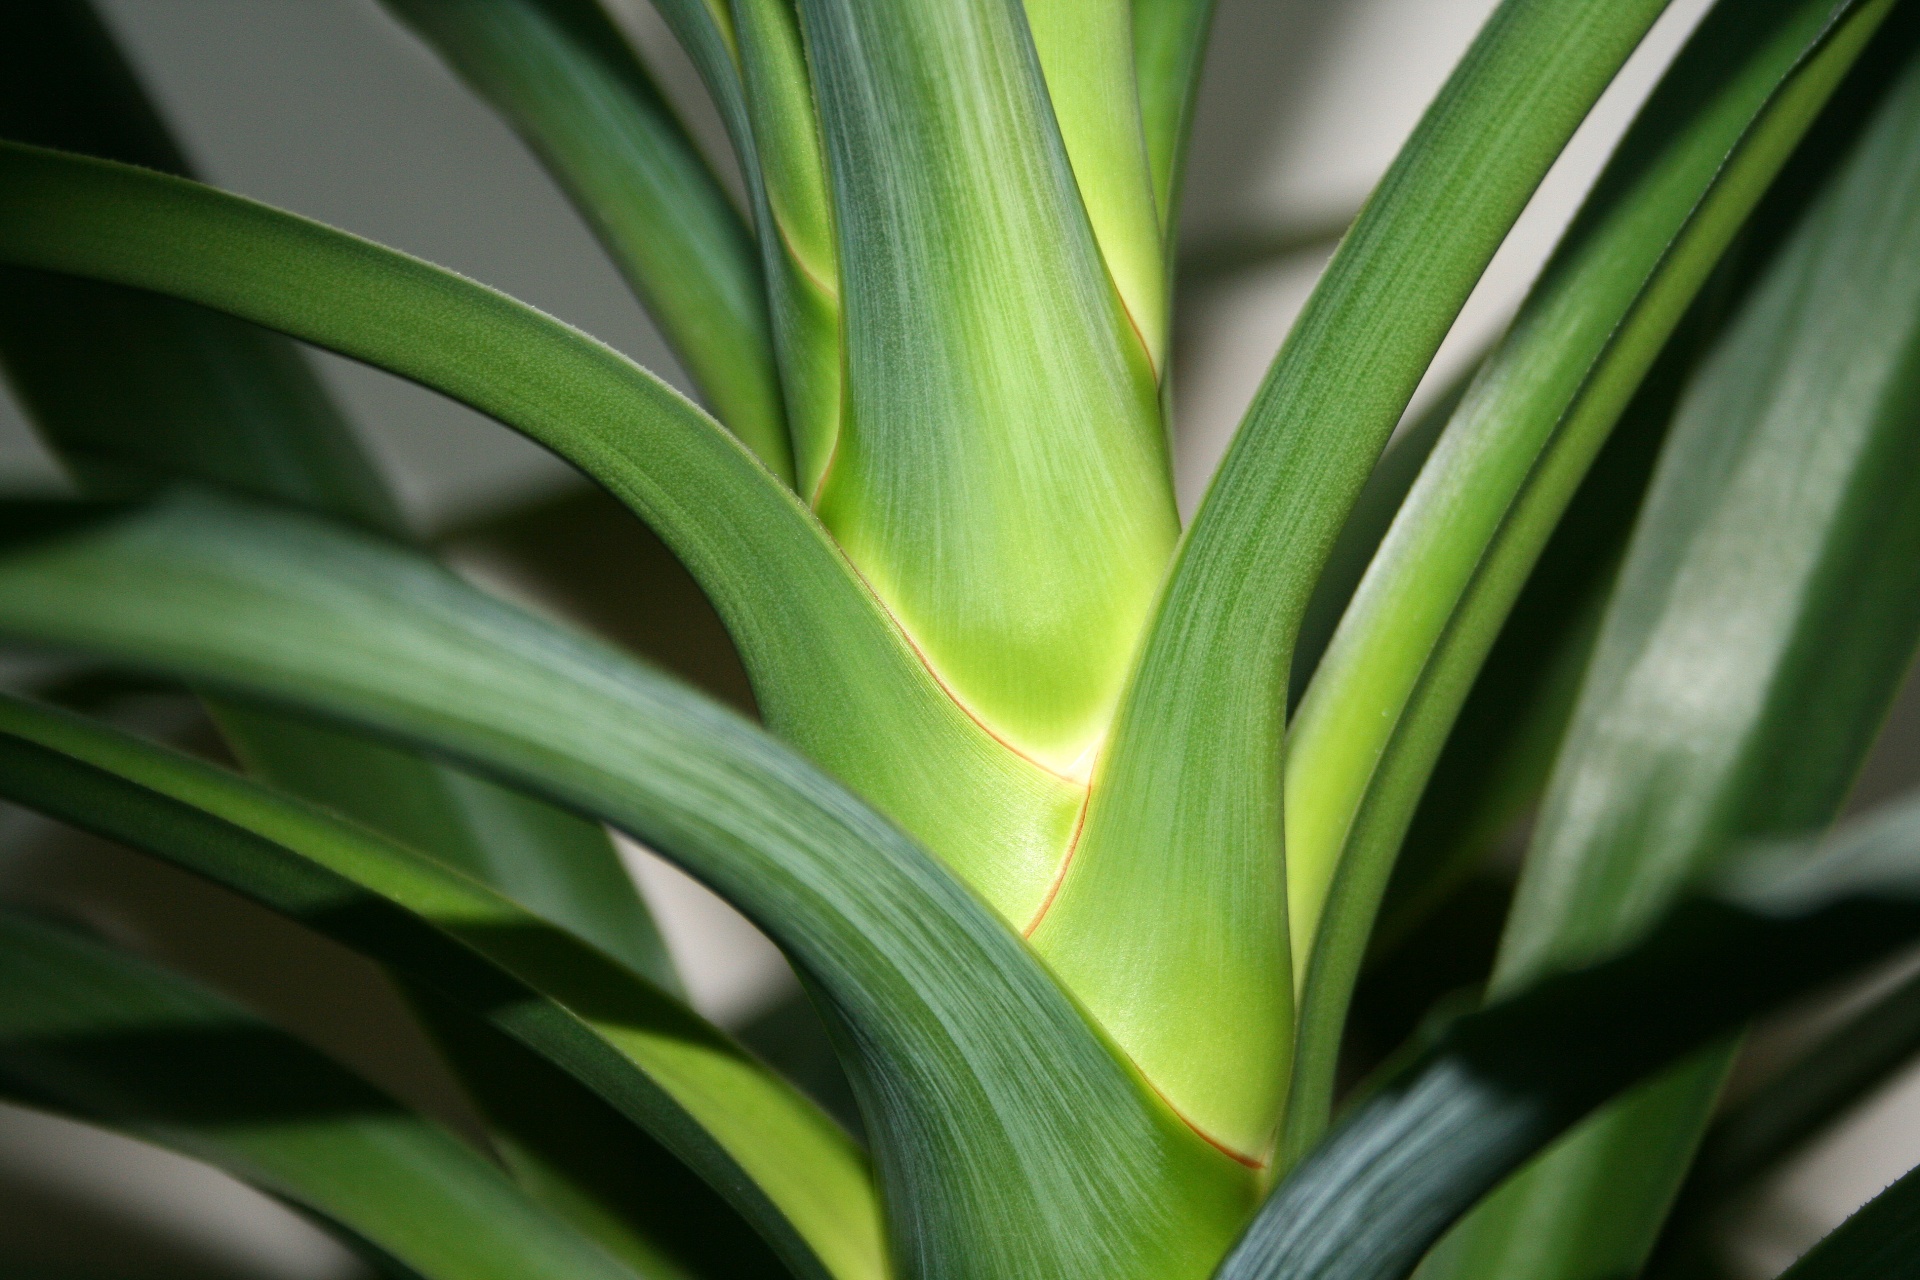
point(131, 387)
point(1176, 886)
point(563, 75)
point(785, 1166)
point(1762, 622)
point(1504, 1082)
point(1002, 474)
point(112, 1040)
point(831, 670)
point(1368, 732)
point(1011, 1140)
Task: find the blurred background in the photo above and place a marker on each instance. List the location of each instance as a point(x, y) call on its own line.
point(328, 108)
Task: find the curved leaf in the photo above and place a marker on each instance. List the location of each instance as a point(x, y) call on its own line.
point(1177, 885)
point(130, 388)
point(109, 1039)
point(831, 671)
point(784, 1165)
point(1708, 143)
point(1504, 1082)
point(563, 75)
point(1764, 618)
point(1010, 1139)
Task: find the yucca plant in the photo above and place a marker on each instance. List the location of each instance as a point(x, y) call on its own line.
point(1082, 829)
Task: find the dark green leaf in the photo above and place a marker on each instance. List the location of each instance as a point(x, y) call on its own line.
point(1011, 1139)
point(1764, 618)
point(787, 1168)
point(109, 1039)
point(1383, 699)
point(1880, 1241)
point(1504, 1082)
point(564, 76)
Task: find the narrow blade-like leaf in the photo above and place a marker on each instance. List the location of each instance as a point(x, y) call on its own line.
point(1503, 1083)
point(782, 1163)
point(1370, 728)
point(1169, 44)
point(1086, 53)
point(1762, 622)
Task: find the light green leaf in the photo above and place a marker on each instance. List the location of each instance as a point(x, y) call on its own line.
point(787, 1168)
point(799, 256)
point(1177, 885)
point(1764, 618)
point(1001, 477)
point(1403, 660)
point(96, 1034)
point(1169, 44)
point(831, 670)
point(1012, 1140)
point(563, 75)
point(1087, 57)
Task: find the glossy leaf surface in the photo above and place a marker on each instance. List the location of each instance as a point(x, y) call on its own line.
point(1765, 616)
point(1001, 477)
point(1371, 726)
point(1504, 1082)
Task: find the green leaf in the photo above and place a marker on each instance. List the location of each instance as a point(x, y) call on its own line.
point(1763, 620)
point(1087, 58)
point(786, 1167)
point(129, 386)
point(1176, 885)
point(831, 670)
point(1384, 697)
point(1011, 1139)
point(1503, 1082)
point(1001, 476)
point(1880, 1239)
point(788, 178)
point(564, 76)
point(1169, 44)
point(112, 1040)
